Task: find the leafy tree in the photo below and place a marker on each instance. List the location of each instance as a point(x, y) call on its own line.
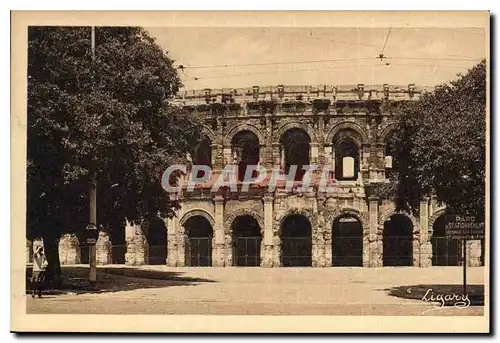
point(106, 119)
point(440, 145)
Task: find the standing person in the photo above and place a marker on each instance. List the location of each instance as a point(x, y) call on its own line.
point(38, 274)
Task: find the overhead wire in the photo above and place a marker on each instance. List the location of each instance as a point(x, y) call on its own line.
point(275, 63)
point(381, 55)
point(325, 61)
point(287, 71)
point(372, 45)
point(385, 44)
point(330, 68)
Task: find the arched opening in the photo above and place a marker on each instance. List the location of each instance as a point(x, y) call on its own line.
point(246, 241)
point(296, 242)
point(347, 155)
point(295, 150)
point(157, 241)
point(398, 244)
point(203, 155)
point(198, 245)
point(119, 247)
point(390, 162)
point(246, 151)
point(445, 251)
point(347, 242)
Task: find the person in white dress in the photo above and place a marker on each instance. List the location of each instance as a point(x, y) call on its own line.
point(39, 270)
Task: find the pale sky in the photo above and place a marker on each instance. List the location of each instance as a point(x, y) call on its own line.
point(424, 56)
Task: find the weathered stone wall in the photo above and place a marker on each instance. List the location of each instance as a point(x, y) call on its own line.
point(205, 205)
point(69, 250)
point(363, 114)
point(103, 249)
point(425, 235)
point(137, 245)
point(372, 213)
point(173, 249)
point(474, 253)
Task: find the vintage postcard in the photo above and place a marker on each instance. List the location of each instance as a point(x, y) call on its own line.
point(307, 171)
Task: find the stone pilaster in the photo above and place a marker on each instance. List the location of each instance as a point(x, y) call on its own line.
point(474, 253)
point(321, 155)
point(326, 231)
point(221, 247)
point(327, 239)
point(314, 153)
point(172, 244)
point(364, 157)
point(275, 154)
point(375, 239)
point(182, 243)
point(374, 162)
point(267, 249)
point(69, 250)
point(227, 153)
point(137, 246)
point(276, 248)
point(282, 160)
point(318, 242)
point(214, 149)
point(263, 156)
point(130, 253)
point(327, 156)
point(425, 250)
point(141, 248)
point(103, 249)
point(129, 242)
point(332, 159)
point(366, 246)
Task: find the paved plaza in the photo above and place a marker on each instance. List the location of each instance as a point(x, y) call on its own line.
point(253, 291)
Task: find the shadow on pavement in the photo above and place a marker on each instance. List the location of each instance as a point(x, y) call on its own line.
point(75, 280)
point(449, 293)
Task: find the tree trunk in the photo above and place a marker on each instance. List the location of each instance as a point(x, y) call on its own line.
point(51, 247)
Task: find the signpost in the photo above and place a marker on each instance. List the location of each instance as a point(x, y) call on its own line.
point(92, 232)
point(464, 227)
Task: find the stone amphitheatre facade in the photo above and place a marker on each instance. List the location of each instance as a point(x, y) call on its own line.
point(346, 128)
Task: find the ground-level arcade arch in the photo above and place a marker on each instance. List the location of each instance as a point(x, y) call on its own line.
point(347, 241)
point(445, 251)
point(157, 241)
point(296, 240)
point(198, 236)
point(247, 240)
point(397, 239)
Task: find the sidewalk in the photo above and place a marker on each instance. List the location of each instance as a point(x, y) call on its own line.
point(368, 285)
point(114, 278)
point(168, 290)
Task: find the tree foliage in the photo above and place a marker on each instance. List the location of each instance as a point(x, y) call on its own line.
point(440, 145)
point(106, 116)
